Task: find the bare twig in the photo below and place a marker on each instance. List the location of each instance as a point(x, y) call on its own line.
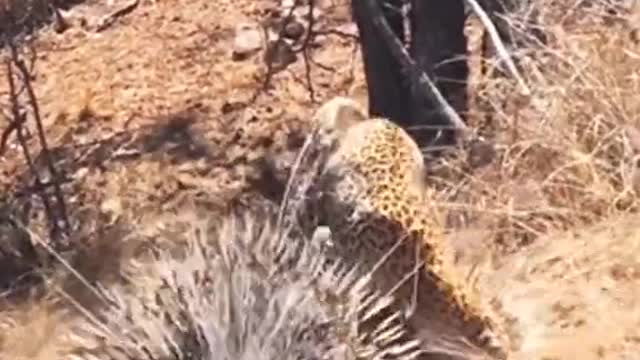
point(7, 132)
point(306, 48)
point(424, 84)
point(41, 136)
point(500, 48)
point(279, 41)
point(59, 219)
point(19, 118)
point(339, 33)
point(321, 65)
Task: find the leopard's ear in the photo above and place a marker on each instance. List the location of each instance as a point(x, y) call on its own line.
point(338, 114)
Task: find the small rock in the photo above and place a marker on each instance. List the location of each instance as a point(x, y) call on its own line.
point(273, 13)
point(112, 206)
point(248, 40)
point(481, 153)
point(287, 4)
point(279, 54)
point(322, 235)
point(295, 139)
point(294, 30)
point(635, 36)
point(229, 107)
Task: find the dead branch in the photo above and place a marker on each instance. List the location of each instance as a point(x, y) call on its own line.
point(19, 117)
point(33, 102)
point(279, 41)
point(17, 69)
point(500, 48)
point(305, 48)
point(11, 128)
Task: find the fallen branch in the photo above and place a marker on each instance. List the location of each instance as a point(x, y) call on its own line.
point(109, 19)
point(306, 44)
point(500, 48)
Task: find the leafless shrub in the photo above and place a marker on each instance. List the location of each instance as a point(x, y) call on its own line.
point(23, 106)
point(305, 45)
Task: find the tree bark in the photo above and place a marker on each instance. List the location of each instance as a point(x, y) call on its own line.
point(387, 87)
point(439, 46)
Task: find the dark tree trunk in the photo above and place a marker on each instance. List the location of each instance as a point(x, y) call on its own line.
point(387, 87)
point(438, 45)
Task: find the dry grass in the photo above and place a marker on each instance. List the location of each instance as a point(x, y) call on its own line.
point(567, 155)
point(567, 180)
point(559, 203)
point(31, 331)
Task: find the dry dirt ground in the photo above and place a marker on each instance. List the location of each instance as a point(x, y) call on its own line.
point(153, 114)
point(159, 93)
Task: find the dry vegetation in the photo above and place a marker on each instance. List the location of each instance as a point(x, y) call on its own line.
point(568, 154)
point(152, 115)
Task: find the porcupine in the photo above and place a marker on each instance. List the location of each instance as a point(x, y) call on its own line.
point(246, 290)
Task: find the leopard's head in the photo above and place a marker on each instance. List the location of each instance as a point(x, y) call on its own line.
point(334, 117)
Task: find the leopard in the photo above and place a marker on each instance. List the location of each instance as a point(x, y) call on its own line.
point(380, 212)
